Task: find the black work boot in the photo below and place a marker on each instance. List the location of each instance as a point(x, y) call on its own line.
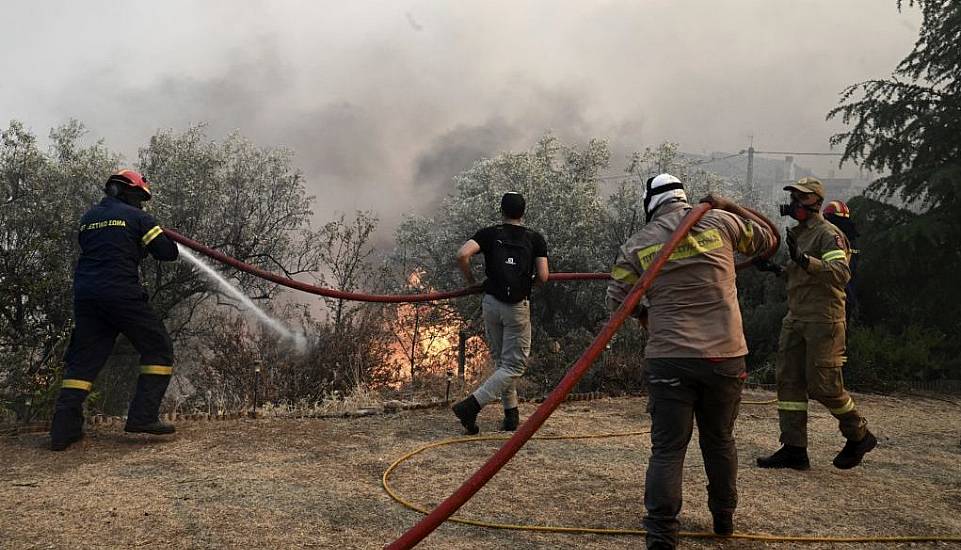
point(66, 428)
point(156, 428)
point(511, 419)
point(466, 412)
point(853, 451)
point(723, 523)
point(788, 456)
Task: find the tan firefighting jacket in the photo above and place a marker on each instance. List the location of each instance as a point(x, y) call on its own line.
point(692, 305)
point(817, 293)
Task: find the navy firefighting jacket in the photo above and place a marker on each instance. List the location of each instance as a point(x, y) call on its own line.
point(114, 237)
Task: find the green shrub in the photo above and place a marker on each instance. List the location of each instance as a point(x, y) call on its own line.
point(878, 357)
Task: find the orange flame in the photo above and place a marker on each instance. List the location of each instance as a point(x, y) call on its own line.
point(425, 336)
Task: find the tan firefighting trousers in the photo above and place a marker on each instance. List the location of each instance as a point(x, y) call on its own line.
point(809, 365)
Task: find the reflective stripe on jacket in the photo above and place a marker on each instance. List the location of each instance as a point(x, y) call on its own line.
point(114, 237)
point(817, 293)
point(692, 305)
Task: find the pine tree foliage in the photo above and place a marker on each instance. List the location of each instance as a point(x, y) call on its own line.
point(909, 125)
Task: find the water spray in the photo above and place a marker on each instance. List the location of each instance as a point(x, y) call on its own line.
point(296, 338)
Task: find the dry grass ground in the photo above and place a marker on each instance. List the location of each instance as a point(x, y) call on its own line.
point(298, 483)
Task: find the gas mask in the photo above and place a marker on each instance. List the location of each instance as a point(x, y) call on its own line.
point(797, 210)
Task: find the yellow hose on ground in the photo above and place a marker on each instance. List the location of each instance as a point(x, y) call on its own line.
point(768, 402)
point(385, 480)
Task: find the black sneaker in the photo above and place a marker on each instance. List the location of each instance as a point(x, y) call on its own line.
point(466, 411)
point(788, 456)
point(723, 523)
point(854, 451)
point(512, 419)
point(62, 444)
point(154, 428)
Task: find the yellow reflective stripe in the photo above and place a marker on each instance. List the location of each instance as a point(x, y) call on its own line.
point(75, 384)
point(846, 408)
point(164, 370)
point(151, 235)
point(833, 255)
point(744, 244)
point(624, 275)
point(792, 405)
point(692, 245)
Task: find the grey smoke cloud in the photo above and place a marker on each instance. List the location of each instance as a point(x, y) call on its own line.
point(384, 102)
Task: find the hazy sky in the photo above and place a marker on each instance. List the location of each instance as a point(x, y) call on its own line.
point(383, 101)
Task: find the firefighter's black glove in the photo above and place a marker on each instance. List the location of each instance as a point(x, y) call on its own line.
point(799, 258)
point(769, 266)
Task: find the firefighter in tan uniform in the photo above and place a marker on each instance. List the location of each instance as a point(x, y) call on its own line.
point(811, 347)
point(695, 351)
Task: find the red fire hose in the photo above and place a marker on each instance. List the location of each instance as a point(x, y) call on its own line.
point(398, 298)
point(354, 296)
point(493, 465)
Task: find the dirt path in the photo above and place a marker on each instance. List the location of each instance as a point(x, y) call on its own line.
point(288, 483)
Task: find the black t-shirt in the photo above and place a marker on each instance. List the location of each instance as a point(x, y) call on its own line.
point(488, 239)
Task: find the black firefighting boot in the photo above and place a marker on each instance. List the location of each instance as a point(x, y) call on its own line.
point(144, 413)
point(853, 451)
point(511, 419)
point(66, 429)
point(67, 426)
point(723, 523)
point(466, 412)
point(788, 456)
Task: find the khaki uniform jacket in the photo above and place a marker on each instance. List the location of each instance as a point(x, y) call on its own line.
point(692, 305)
point(817, 293)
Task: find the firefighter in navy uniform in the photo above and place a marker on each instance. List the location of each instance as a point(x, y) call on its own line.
point(115, 235)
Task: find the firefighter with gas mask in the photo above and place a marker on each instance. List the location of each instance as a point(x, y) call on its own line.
point(812, 342)
point(114, 236)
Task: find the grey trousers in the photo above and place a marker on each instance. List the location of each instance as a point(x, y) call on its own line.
point(680, 392)
point(508, 328)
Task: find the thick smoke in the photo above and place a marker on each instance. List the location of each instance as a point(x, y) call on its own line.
point(384, 103)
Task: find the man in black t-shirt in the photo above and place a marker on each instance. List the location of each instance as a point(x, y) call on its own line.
point(514, 257)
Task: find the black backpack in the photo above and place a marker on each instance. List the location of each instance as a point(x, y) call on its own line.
point(511, 273)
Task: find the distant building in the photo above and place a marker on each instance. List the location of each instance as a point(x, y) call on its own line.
point(843, 188)
point(836, 188)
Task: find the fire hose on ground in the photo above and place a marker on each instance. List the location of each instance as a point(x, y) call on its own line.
point(766, 537)
point(526, 431)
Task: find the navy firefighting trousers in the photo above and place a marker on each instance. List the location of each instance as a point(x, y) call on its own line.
point(97, 324)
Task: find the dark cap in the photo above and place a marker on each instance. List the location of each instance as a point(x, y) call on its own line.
point(513, 205)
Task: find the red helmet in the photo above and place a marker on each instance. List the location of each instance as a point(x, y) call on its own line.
point(134, 179)
point(837, 208)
